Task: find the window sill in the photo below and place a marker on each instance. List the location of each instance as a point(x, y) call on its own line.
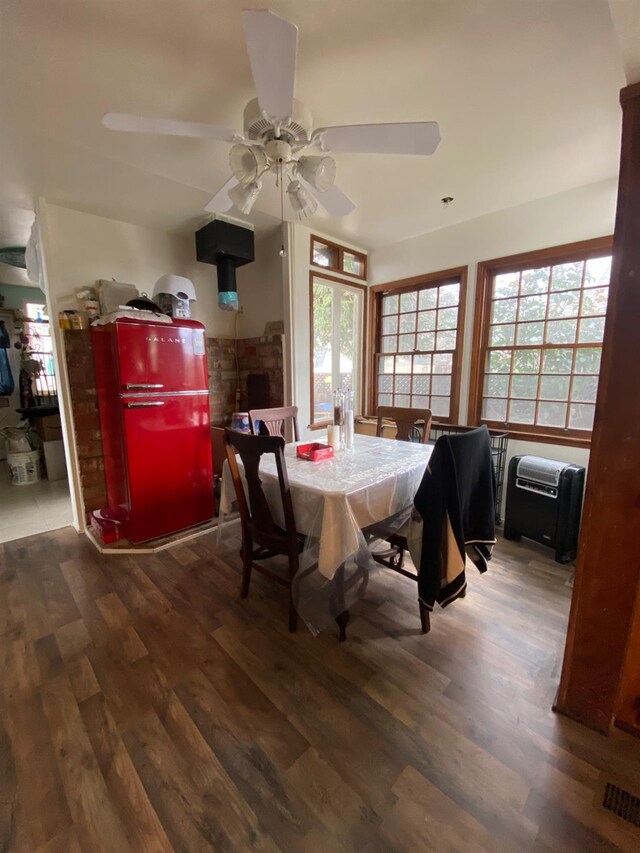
point(541, 437)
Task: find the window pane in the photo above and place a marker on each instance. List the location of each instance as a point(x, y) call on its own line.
point(352, 264)
point(494, 410)
point(408, 301)
point(504, 310)
point(554, 387)
point(564, 304)
point(524, 386)
point(506, 284)
point(390, 325)
point(428, 298)
point(403, 384)
point(530, 333)
point(421, 384)
point(322, 350)
point(448, 318)
point(552, 414)
point(595, 301)
point(385, 382)
point(426, 341)
point(561, 331)
point(406, 343)
point(420, 402)
point(426, 321)
point(402, 400)
point(440, 406)
point(588, 360)
point(584, 389)
point(591, 330)
point(385, 400)
point(422, 364)
point(557, 361)
point(443, 363)
point(386, 364)
point(390, 344)
point(502, 335)
point(597, 271)
point(496, 386)
point(581, 416)
point(535, 281)
point(567, 276)
point(533, 307)
point(441, 385)
point(522, 411)
point(389, 304)
point(403, 364)
point(449, 295)
point(499, 361)
point(407, 322)
point(446, 340)
point(526, 361)
point(325, 256)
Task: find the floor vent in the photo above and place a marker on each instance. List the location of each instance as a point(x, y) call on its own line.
point(622, 803)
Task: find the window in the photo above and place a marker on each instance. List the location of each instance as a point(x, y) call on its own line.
point(418, 344)
point(540, 324)
point(336, 340)
point(336, 258)
point(39, 348)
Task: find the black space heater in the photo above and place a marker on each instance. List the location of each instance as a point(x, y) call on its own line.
point(544, 503)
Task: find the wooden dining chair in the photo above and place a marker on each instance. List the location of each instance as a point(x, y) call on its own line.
point(275, 420)
point(261, 536)
point(406, 421)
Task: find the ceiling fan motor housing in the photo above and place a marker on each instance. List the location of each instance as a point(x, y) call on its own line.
point(295, 131)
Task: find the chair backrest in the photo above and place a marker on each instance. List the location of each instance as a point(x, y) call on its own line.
point(275, 420)
point(255, 514)
point(406, 421)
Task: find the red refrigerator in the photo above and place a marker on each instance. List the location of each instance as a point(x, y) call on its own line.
point(154, 413)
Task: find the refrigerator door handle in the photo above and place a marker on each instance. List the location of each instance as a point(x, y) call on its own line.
point(145, 405)
point(130, 386)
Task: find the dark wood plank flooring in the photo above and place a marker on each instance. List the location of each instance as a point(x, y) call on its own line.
point(147, 708)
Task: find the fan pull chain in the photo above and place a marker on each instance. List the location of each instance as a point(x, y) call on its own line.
point(283, 251)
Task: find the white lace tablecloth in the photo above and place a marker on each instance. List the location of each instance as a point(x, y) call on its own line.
point(333, 501)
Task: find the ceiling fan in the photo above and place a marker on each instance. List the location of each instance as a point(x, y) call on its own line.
point(278, 129)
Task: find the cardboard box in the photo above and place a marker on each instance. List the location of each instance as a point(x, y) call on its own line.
point(50, 428)
point(54, 460)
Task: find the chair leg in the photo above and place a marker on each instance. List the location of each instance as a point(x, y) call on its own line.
point(424, 617)
point(293, 614)
point(247, 548)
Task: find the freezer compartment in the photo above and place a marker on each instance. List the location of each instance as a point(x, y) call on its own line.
point(158, 357)
point(169, 463)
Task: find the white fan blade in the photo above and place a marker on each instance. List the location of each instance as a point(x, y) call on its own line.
point(167, 127)
point(221, 202)
point(419, 137)
point(334, 201)
point(272, 45)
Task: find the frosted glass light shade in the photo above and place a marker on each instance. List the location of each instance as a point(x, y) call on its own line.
point(318, 171)
point(176, 285)
point(302, 203)
point(244, 195)
point(247, 162)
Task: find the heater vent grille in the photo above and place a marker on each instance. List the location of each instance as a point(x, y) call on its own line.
point(622, 803)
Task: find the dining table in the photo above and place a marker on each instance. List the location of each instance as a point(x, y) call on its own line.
point(341, 504)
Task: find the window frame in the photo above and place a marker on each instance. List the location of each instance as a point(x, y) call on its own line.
point(361, 389)
point(583, 250)
point(340, 250)
point(456, 275)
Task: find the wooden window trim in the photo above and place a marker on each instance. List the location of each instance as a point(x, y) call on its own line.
point(340, 250)
point(314, 274)
point(425, 281)
point(578, 251)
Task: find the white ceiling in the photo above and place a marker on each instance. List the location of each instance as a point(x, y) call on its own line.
point(526, 94)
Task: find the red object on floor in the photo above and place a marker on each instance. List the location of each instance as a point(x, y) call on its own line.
point(154, 413)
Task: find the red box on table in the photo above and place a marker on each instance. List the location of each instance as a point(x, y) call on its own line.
point(315, 451)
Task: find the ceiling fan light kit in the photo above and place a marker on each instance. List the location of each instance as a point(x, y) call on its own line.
point(278, 128)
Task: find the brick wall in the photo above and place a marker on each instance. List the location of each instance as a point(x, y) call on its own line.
point(86, 421)
point(255, 355)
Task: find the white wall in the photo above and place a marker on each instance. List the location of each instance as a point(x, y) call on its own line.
point(260, 287)
point(298, 325)
point(580, 214)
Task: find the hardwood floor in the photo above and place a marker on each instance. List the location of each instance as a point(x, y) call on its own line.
point(147, 708)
